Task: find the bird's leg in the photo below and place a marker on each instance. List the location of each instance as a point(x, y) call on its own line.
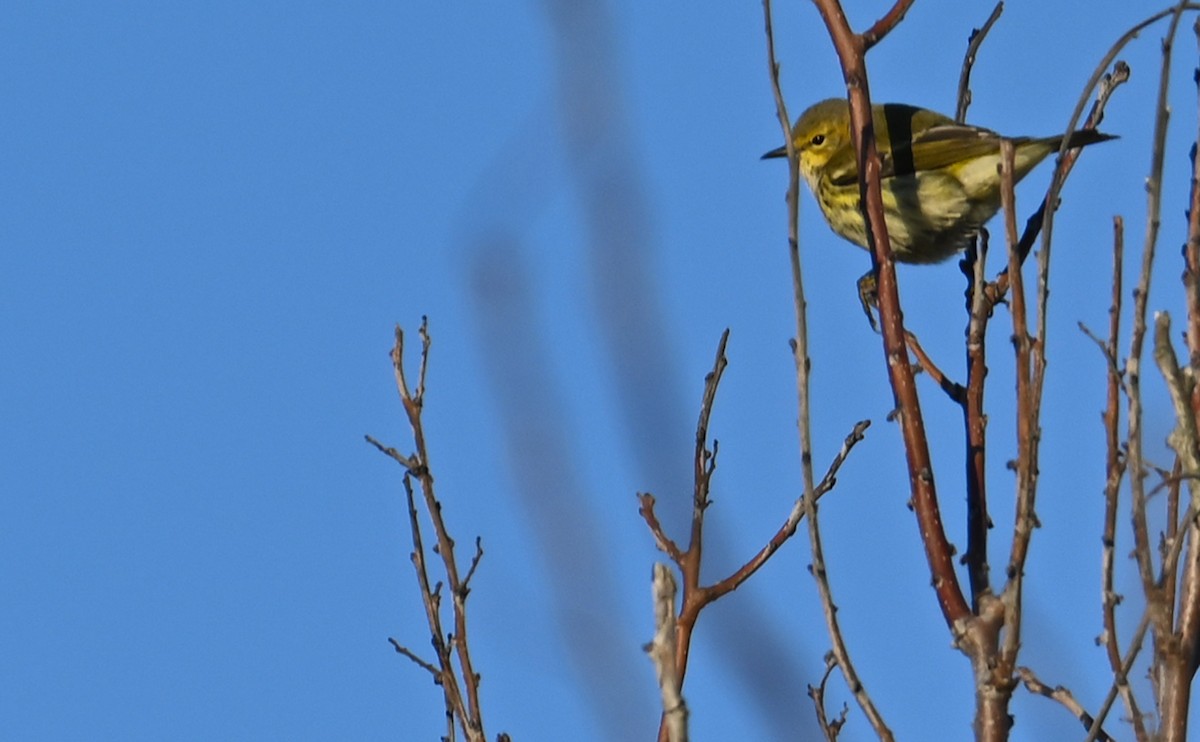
point(868, 294)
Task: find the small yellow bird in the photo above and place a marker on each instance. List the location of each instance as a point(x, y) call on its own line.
point(940, 180)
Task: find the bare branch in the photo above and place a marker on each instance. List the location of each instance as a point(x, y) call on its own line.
point(1120, 678)
point(831, 729)
point(953, 389)
point(975, 422)
point(1183, 438)
point(839, 650)
point(939, 553)
point(1064, 697)
point(401, 649)
point(1191, 253)
point(455, 671)
point(408, 462)
point(788, 529)
point(1107, 83)
point(661, 539)
point(1026, 425)
point(1114, 468)
point(1095, 116)
point(884, 25)
point(841, 31)
point(662, 652)
point(705, 460)
point(964, 77)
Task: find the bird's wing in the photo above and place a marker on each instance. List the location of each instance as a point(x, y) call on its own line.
point(941, 146)
point(931, 149)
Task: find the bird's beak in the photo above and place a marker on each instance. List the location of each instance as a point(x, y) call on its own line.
point(780, 152)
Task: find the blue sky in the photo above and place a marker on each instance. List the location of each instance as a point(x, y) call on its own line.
point(211, 216)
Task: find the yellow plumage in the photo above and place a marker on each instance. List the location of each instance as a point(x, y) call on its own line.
point(940, 180)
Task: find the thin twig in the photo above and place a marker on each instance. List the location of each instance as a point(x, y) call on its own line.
point(1121, 677)
point(1191, 252)
point(408, 462)
point(431, 599)
point(401, 649)
point(1026, 420)
point(460, 684)
point(788, 529)
point(704, 461)
point(800, 345)
point(884, 25)
point(1114, 468)
point(1096, 114)
point(664, 542)
point(964, 77)
point(689, 560)
point(1063, 696)
point(830, 729)
point(1107, 83)
point(953, 389)
point(839, 649)
point(975, 423)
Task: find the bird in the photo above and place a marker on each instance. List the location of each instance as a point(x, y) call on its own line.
point(939, 179)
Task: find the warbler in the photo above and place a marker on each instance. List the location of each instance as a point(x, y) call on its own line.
point(940, 180)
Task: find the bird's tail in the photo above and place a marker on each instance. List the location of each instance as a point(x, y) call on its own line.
point(1084, 137)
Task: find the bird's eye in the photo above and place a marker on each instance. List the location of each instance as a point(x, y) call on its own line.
point(818, 140)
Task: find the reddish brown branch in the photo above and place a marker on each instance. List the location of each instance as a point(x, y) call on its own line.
point(695, 595)
point(851, 49)
point(884, 25)
point(699, 596)
point(952, 389)
point(788, 529)
point(661, 539)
